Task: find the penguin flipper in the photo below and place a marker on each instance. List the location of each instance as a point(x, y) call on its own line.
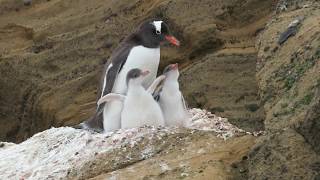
point(157, 83)
point(85, 127)
point(112, 69)
point(93, 124)
point(111, 97)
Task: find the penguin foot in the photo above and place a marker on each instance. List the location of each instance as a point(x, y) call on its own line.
point(84, 126)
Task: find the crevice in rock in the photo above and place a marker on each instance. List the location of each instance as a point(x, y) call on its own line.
point(226, 85)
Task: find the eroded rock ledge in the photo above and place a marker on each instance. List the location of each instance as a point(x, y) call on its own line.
point(207, 148)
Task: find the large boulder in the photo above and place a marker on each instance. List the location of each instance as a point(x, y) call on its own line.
point(208, 148)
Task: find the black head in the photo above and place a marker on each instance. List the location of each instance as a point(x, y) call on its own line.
point(151, 33)
point(135, 74)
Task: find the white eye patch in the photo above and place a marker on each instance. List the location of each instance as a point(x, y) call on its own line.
point(157, 25)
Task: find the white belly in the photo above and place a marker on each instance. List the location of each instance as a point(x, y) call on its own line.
point(139, 57)
point(111, 116)
point(142, 58)
point(141, 109)
point(173, 109)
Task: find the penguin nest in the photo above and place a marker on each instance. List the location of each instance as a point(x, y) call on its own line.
point(202, 120)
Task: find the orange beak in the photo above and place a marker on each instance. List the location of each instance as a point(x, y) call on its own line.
point(172, 40)
point(174, 66)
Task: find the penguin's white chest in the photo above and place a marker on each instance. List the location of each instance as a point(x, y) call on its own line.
point(139, 57)
point(140, 109)
point(172, 105)
point(142, 58)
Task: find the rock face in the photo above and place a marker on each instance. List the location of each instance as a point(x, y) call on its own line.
point(227, 87)
point(284, 155)
point(288, 77)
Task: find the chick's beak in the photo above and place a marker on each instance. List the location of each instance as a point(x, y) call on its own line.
point(144, 73)
point(174, 66)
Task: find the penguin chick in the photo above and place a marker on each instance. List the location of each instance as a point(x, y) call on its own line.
point(157, 83)
point(139, 107)
point(171, 99)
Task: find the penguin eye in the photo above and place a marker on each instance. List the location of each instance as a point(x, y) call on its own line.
point(158, 32)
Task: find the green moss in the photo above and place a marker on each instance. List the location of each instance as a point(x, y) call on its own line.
point(287, 111)
point(252, 107)
point(289, 82)
point(306, 100)
point(291, 73)
point(302, 68)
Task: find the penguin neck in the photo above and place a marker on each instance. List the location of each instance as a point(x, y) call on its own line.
point(145, 42)
point(134, 89)
point(171, 84)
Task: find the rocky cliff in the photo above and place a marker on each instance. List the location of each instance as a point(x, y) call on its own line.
point(288, 77)
point(51, 56)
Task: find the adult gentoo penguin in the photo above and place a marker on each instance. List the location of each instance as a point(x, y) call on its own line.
point(140, 50)
point(139, 107)
point(171, 99)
